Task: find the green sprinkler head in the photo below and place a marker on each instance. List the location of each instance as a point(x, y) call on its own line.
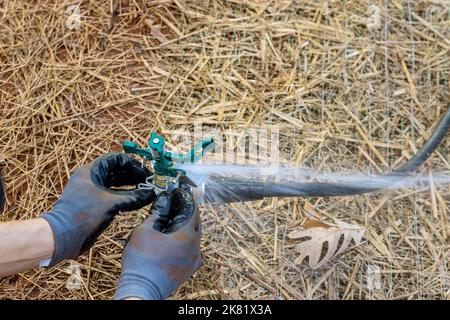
point(164, 161)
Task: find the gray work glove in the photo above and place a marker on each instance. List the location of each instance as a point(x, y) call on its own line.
point(164, 251)
point(88, 204)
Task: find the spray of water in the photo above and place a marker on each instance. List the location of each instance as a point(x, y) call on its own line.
point(201, 172)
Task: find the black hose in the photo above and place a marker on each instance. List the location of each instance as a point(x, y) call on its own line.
point(224, 190)
point(428, 148)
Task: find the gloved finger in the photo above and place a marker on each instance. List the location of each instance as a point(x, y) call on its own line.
point(190, 230)
point(128, 200)
point(161, 211)
point(133, 175)
point(183, 208)
point(162, 205)
point(117, 169)
point(183, 201)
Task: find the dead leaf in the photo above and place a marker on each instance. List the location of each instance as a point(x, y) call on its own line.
point(317, 233)
point(309, 224)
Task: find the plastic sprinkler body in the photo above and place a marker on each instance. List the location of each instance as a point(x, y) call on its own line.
point(160, 164)
point(163, 161)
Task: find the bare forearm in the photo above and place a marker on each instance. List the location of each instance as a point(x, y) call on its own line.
point(23, 244)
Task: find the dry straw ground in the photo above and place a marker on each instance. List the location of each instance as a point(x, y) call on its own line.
point(357, 99)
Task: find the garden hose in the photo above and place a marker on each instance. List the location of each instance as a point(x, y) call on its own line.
point(219, 189)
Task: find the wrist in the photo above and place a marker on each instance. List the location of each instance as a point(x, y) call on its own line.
point(47, 241)
point(48, 245)
point(135, 287)
point(64, 237)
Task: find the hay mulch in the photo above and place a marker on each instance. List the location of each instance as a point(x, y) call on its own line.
point(357, 99)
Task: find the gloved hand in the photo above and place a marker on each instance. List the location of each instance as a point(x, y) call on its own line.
point(164, 251)
point(88, 204)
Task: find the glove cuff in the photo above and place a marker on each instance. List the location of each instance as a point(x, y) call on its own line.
point(131, 285)
point(64, 242)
